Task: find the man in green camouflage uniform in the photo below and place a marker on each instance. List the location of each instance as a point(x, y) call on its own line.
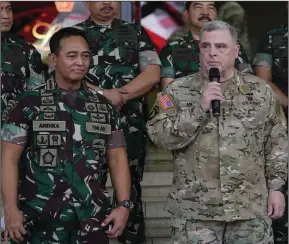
point(21, 64)
point(181, 57)
point(271, 64)
point(126, 66)
point(229, 170)
point(64, 130)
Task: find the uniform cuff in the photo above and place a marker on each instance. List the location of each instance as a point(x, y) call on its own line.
point(275, 185)
point(263, 59)
point(167, 72)
point(14, 134)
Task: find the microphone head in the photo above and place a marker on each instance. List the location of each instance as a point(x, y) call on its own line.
point(214, 73)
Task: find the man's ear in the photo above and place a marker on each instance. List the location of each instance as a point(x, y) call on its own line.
point(237, 48)
point(52, 59)
point(186, 16)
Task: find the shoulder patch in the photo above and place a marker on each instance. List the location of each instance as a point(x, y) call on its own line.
point(166, 102)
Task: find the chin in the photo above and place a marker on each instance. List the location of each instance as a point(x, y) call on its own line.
point(5, 29)
point(76, 78)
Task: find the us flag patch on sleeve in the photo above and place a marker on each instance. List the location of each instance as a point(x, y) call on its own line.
point(166, 102)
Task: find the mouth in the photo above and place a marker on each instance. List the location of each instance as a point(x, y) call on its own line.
point(78, 71)
point(107, 9)
point(212, 63)
point(205, 19)
point(5, 23)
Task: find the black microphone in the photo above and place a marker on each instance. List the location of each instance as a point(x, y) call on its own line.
point(214, 75)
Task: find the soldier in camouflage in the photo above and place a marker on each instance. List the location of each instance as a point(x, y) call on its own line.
point(68, 129)
point(126, 66)
point(229, 170)
point(271, 64)
point(181, 57)
point(21, 64)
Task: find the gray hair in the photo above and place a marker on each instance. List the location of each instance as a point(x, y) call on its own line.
point(220, 25)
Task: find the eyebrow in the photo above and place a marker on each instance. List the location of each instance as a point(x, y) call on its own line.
point(9, 6)
point(215, 43)
point(74, 52)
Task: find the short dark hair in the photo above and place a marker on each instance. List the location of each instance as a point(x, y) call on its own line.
point(188, 4)
point(54, 42)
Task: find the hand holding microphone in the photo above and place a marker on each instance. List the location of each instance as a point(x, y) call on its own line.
point(212, 94)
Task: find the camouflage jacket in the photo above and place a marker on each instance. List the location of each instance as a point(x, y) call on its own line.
point(21, 67)
point(222, 170)
point(66, 141)
point(120, 52)
point(181, 57)
point(273, 53)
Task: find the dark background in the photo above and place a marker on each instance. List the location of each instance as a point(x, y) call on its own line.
point(262, 16)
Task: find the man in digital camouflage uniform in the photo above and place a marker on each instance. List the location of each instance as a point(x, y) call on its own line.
point(229, 170)
point(21, 64)
point(271, 64)
point(126, 66)
point(68, 130)
point(181, 57)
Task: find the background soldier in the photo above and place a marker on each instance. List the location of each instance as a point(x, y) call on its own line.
point(229, 170)
point(126, 66)
point(181, 57)
point(21, 64)
point(68, 130)
point(271, 64)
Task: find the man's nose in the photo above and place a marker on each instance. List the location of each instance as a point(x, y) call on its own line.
point(4, 14)
point(213, 51)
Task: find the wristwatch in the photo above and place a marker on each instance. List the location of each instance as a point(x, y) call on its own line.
point(126, 204)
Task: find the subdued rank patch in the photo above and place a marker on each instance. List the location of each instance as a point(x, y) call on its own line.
point(98, 143)
point(93, 99)
point(43, 92)
point(42, 140)
point(97, 117)
point(96, 155)
point(42, 125)
point(50, 85)
point(92, 127)
point(166, 102)
point(47, 100)
point(90, 107)
point(55, 140)
point(48, 108)
point(48, 157)
point(102, 108)
point(49, 116)
point(244, 89)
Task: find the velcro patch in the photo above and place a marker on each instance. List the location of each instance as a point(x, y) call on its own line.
point(166, 102)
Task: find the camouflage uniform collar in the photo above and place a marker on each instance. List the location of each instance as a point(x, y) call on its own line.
point(190, 39)
point(200, 81)
point(51, 85)
point(90, 22)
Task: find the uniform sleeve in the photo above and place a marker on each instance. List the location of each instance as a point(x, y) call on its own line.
point(147, 51)
point(36, 69)
point(116, 139)
point(17, 122)
point(167, 62)
point(264, 55)
point(276, 147)
point(242, 62)
point(174, 128)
